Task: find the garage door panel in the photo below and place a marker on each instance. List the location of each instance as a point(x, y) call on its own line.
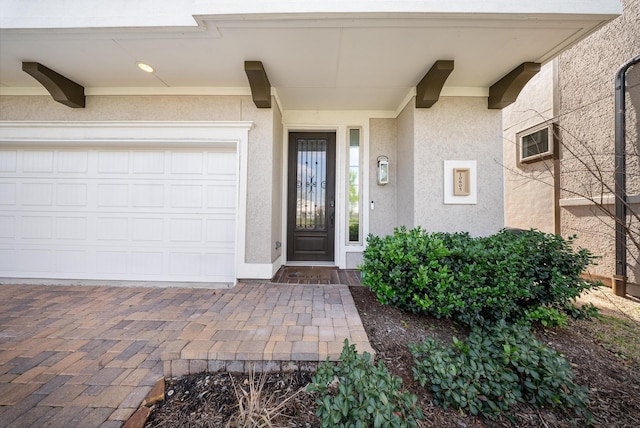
point(37, 194)
point(146, 162)
point(69, 261)
point(218, 265)
point(221, 230)
point(112, 195)
point(147, 195)
point(37, 161)
point(186, 196)
point(8, 161)
point(7, 193)
point(113, 162)
point(35, 260)
point(186, 230)
point(222, 196)
point(71, 228)
point(112, 262)
point(112, 229)
point(36, 227)
point(71, 195)
point(185, 264)
point(146, 263)
point(72, 162)
point(147, 229)
point(187, 163)
point(221, 163)
point(7, 226)
point(118, 214)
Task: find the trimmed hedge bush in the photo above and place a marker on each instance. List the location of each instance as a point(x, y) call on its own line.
point(476, 281)
point(495, 368)
point(358, 393)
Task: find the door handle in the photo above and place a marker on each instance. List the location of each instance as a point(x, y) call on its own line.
point(332, 204)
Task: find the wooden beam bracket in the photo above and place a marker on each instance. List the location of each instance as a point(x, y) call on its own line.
point(62, 90)
point(506, 90)
point(429, 89)
point(259, 82)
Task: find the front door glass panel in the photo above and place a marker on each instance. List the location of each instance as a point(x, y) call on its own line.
point(311, 186)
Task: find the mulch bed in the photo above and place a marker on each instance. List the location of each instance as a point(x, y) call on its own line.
point(209, 399)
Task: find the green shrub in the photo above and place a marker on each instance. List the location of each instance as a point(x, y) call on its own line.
point(399, 267)
point(496, 368)
point(477, 281)
point(357, 393)
point(547, 317)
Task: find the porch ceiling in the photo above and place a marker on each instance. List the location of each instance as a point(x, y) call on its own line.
point(319, 61)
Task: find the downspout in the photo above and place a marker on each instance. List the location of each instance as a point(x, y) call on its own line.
point(620, 278)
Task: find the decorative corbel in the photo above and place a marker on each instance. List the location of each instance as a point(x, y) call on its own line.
point(506, 90)
point(429, 89)
point(62, 90)
point(259, 82)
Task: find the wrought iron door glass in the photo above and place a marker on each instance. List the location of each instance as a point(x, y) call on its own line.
point(311, 185)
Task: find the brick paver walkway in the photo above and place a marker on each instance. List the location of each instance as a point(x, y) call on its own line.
point(88, 356)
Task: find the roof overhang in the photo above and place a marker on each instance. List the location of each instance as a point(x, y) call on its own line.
point(320, 55)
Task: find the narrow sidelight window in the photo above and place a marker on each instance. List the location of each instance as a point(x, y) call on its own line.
point(355, 228)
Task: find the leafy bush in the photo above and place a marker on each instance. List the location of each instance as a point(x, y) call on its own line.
point(357, 393)
point(548, 317)
point(398, 267)
point(496, 368)
point(477, 281)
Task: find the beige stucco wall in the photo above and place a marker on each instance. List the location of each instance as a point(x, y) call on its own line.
point(382, 141)
point(121, 108)
point(405, 167)
point(276, 182)
point(264, 160)
point(458, 129)
point(528, 188)
point(417, 143)
point(260, 186)
point(586, 111)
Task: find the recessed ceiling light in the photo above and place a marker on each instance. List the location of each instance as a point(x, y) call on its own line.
point(145, 67)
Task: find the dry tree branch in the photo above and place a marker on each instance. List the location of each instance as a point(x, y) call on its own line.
point(255, 408)
point(587, 158)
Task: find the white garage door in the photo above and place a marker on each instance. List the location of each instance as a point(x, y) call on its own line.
point(122, 214)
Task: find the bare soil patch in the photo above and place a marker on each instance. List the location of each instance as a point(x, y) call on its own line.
point(613, 379)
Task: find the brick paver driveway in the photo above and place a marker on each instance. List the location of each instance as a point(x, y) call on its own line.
point(87, 356)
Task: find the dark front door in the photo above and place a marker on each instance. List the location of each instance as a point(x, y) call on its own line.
point(311, 196)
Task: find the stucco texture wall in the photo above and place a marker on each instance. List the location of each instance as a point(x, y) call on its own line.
point(123, 108)
point(263, 211)
point(457, 128)
point(276, 181)
point(382, 141)
point(529, 188)
point(586, 119)
point(405, 167)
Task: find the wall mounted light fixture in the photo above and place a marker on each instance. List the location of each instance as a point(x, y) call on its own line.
point(383, 170)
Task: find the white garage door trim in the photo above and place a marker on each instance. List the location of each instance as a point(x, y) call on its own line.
point(145, 135)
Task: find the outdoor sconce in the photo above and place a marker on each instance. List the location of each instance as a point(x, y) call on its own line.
point(383, 170)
